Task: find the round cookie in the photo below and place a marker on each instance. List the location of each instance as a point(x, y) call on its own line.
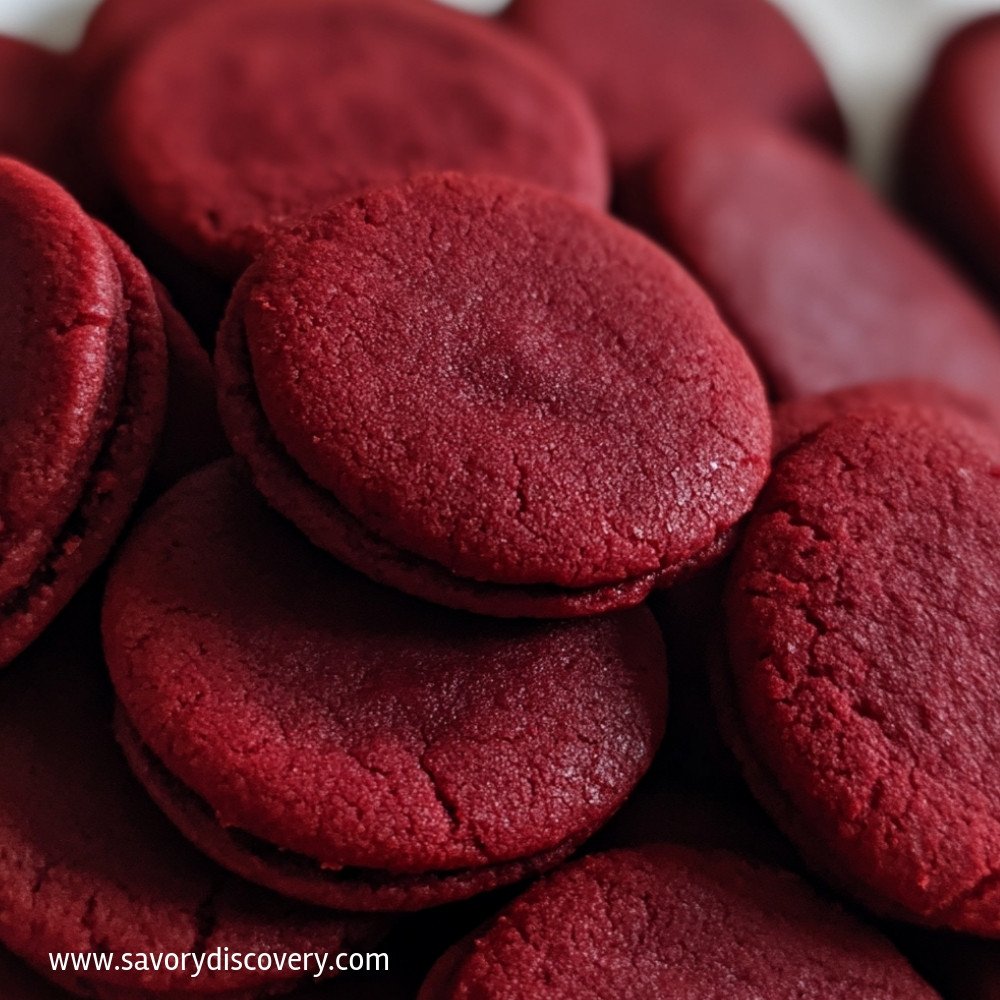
point(825, 287)
point(303, 102)
point(88, 864)
point(653, 68)
point(64, 346)
point(490, 396)
point(949, 164)
point(671, 923)
point(82, 398)
point(350, 746)
point(861, 675)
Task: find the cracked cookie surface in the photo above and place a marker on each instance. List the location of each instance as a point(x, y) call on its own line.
point(672, 923)
point(395, 752)
point(89, 864)
point(498, 382)
point(863, 629)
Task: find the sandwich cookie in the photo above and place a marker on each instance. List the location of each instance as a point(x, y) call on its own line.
point(492, 397)
point(82, 397)
point(350, 746)
point(89, 865)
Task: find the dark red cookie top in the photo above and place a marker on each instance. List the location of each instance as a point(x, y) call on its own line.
point(670, 923)
point(504, 382)
point(825, 287)
point(299, 103)
point(861, 685)
point(354, 725)
point(63, 344)
point(87, 862)
point(652, 68)
point(949, 166)
point(319, 516)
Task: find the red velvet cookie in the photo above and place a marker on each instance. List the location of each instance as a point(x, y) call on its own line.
point(88, 864)
point(653, 67)
point(672, 923)
point(949, 166)
point(82, 393)
point(825, 287)
point(493, 397)
point(33, 85)
point(350, 746)
point(295, 104)
point(860, 687)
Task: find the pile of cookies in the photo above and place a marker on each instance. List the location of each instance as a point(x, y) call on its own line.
point(395, 405)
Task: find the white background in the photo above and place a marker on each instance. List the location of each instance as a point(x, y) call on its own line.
point(876, 51)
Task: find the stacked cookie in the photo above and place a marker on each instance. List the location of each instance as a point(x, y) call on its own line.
point(423, 471)
point(82, 397)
